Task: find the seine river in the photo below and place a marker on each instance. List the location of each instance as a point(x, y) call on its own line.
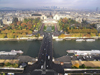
point(31, 48)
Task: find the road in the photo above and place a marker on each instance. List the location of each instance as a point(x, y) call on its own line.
point(45, 53)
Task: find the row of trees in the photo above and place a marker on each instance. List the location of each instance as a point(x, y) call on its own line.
point(18, 28)
point(82, 31)
point(82, 35)
point(71, 26)
point(13, 35)
point(78, 35)
point(45, 27)
point(16, 31)
point(8, 65)
point(53, 28)
point(83, 66)
point(65, 23)
point(30, 24)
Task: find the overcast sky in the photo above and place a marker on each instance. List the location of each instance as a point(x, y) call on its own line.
point(88, 4)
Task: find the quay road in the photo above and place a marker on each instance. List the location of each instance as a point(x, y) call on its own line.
point(84, 71)
point(15, 70)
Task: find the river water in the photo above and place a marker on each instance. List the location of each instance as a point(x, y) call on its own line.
point(31, 48)
point(61, 46)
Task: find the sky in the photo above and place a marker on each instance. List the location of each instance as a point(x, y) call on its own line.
point(82, 4)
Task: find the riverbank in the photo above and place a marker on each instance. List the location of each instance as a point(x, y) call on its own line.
point(73, 38)
point(41, 37)
point(22, 38)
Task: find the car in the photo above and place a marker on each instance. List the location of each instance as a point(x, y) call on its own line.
point(10, 74)
point(41, 66)
point(47, 65)
point(87, 56)
point(90, 56)
point(23, 65)
point(84, 72)
point(83, 57)
point(41, 59)
point(80, 59)
point(48, 57)
point(42, 54)
point(66, 74)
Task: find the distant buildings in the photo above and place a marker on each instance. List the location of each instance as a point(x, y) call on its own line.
point(49, 22)
point(7, 21)
point(97, 9)
point(20, 18)
point(90, 17)
point(35, 16)
point(56, 17)
point(43, 17)
point(78, 19)
point(59, 16)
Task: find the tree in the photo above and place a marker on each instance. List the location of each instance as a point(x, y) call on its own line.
point(76, 65)
point(83, 66)
point(26, 20)
point(44, 27)
point(7, 64)
point(9, 28)
point(61, 36)
point(3, 35)
point(29, 32)
point(10, 35)
point(18, 23)
point(53, 28)
point(23, 34)
point(15, 65)
point(15, 20)
point(37, 35)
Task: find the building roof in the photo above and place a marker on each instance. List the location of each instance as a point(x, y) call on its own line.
point(36, 15)
point(25, 58)
point(8, 57)
point(64, 59)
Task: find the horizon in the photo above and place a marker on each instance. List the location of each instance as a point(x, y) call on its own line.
point(70, 4)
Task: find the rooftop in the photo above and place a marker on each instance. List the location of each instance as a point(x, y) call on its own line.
point(36, 15)
point(64, 59)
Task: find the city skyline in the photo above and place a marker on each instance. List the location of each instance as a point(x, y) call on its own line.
point(78, 4)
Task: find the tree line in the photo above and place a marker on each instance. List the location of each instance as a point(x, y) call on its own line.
point(71, 26)
point(18, 28)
